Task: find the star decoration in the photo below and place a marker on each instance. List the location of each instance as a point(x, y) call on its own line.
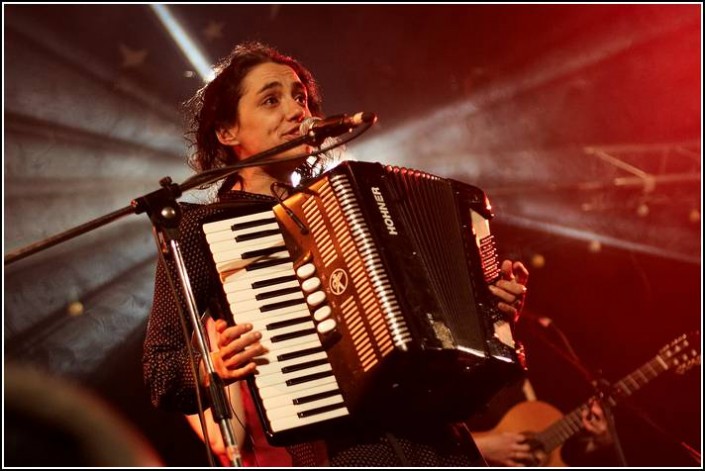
point(214, 30)
point(132, 58)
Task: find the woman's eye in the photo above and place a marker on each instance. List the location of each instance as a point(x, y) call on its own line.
point(271, 100)
point(301, 99)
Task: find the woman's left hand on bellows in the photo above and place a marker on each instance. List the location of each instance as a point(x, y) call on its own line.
point(511, 288)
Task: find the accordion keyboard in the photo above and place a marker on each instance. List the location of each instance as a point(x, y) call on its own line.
point(294, 378)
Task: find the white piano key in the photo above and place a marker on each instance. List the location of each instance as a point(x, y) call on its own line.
point(293, 422)
point(273, 240)
point(256, 313)
point(296, 341)
point(276, 368)
point(258, 228)
point(271, 380)
point(267, 335)
point(265, 325)
point(229, 235)
point(280, 389)
point(244, 289)
point(294, 409)
point(237, 265)
point(284, 400)
point(232, 252)
point(261, 319)
point(243, 279)
point(271, 356)
point(239, 305)
point(246, 286)
point(226, 224)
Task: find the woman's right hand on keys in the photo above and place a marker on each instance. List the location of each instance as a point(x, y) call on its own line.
point(237, 347)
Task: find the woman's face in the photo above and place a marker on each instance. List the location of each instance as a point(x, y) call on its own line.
point(272, 106)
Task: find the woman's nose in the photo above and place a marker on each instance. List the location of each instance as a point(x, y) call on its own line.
point(295, 111)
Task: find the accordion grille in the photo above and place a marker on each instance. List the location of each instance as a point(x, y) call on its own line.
point(362, 313)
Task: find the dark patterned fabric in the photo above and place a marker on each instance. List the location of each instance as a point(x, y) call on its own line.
point(169, 376)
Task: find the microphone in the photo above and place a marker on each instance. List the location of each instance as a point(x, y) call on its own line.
point(321, 128)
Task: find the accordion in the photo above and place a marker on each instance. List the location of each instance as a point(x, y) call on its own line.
point(370, 289)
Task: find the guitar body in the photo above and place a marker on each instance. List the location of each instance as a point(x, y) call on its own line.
point(530, 416)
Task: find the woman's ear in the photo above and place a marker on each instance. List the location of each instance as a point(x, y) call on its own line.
point(227, 136)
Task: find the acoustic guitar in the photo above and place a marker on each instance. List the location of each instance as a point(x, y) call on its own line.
point(548, 429)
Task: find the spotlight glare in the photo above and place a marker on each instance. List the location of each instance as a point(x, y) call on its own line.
point(538, 261)
point(188, 47)
point(595, 246)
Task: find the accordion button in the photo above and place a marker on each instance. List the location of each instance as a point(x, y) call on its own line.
point(314, 299)
point(322, 313)
point(306, 270)
point(326, 326)
point(311, 284)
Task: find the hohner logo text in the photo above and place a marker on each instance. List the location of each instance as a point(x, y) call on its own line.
point(388, 221)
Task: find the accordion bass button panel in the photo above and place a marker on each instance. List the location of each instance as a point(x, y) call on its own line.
point(311, 285)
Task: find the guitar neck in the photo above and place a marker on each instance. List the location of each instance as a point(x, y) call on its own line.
point(560, 431)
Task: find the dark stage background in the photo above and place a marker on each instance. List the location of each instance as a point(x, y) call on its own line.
point(582, 123)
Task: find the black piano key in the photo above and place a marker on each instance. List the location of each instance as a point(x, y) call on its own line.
point(305, 365)
point(247, 225)
point(292, 335)
point(257, 235)
point(273, 281)
point(263, 252)
point(320, 410)
point(287, 323)
point(277, 292)
point(299, 353)
point(315, 397)
point(281, 304)
point(307, 378)
point(267, 263)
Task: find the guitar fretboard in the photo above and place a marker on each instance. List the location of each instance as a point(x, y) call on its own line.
point(562, 430)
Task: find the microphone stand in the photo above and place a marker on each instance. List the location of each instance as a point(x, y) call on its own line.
point(165, 214)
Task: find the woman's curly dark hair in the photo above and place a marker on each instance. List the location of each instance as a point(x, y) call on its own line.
point(215, 105)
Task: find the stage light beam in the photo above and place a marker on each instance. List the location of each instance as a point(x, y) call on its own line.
point(184, 41)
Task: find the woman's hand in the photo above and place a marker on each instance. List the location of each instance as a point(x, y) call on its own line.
point(511, 288)
point(595, 422)
point(237, 347)
point(507, 449)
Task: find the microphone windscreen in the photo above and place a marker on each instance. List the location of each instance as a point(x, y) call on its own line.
point(307, 124)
